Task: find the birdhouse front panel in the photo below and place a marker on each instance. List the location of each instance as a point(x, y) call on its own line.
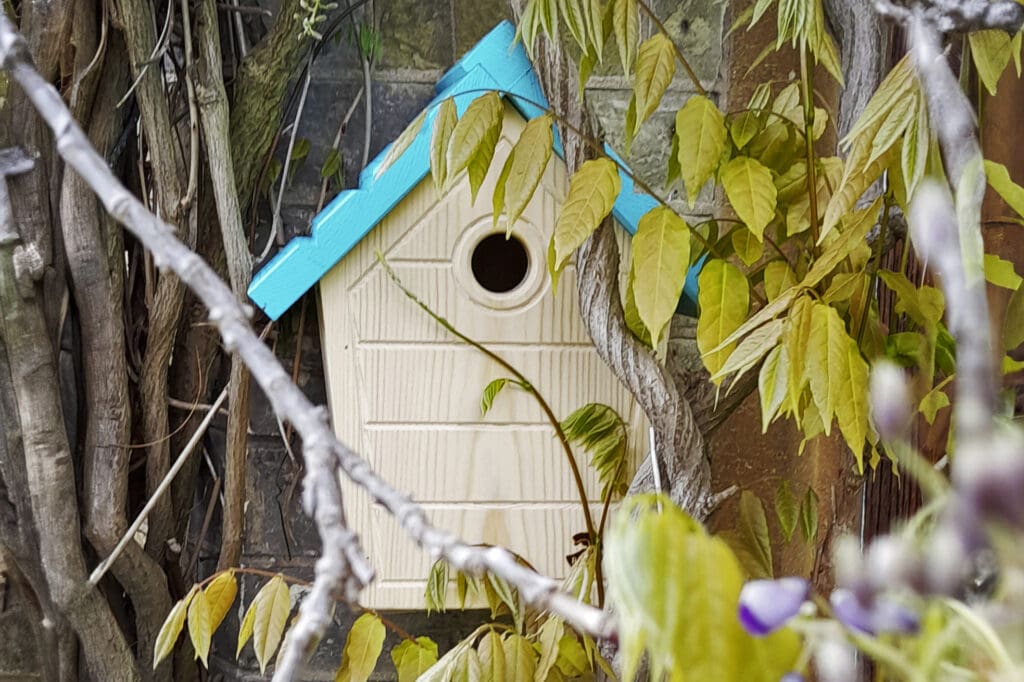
point(406, 393)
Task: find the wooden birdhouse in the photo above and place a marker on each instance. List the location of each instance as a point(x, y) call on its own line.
point(405, 393)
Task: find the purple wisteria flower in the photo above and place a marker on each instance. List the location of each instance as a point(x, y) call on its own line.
point(881, 617)
point(792, 677)
point(766, 605)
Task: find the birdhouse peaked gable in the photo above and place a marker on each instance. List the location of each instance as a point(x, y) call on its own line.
point(497, 63)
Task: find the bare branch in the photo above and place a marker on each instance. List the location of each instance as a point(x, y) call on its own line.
point(343, 570)
point(960, 16)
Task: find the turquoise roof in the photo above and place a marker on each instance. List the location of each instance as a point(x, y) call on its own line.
point(497, 62)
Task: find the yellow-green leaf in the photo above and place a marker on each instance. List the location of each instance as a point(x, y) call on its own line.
point(245, 630)
point(809, 515)
point(850, 189)
point(893, 127)
point(436, 593)
point(572, 14)
point(999, 179)
point(787, 509)
point(626, 23)
point(778, 277)
point(220, 595)
point(752, 527)
point(747, 246)
point(170, 630)
point(750, 350)
point(1001, 272)
point(520, 658)
point(852, 401)
point(572, 658)
point(524, 168)
point(1013, 326)
point(991, 51)
point(661, 254)
point(749, 188)
point(592, 193)
point(655, 68)
point(412, 658)
point(444, 124)
point(548, 636)
point(743, 127)
point(674, 591)
point(827, 348)
point(724, 298)
point(399, 146)
point(473, 139)
point(798, 334)
point(700, 128)
point(632, 315)
point(199, 626)
point(492, 657)
point(362, 649)
point(271, 618)
point(772, 384)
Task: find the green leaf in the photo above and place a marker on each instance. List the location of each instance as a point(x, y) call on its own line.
point(507, 595)
point(363, 646)
point(403, 142)
point(655, 68)
point(749, 188)
point(743, 127)
point(490, 393)
point(787, 509)
point(170, 630)
point(852, 406)
point(520, 658)
point(1001, 272)
point(923, 305)
point(220, 595)
point(492, 657)
point(572, 658)
point(750, 350)
point(700, 129)
point(599, 430)
point(300, 150)
point(935, 400)
point(271, 617)
point(809, 515)
point(548, 637)
point(632, 315)
point(199, 626)
point(991, 51)
point(999, 179)
point(332, 164)
point(1013, 326)
point(724, 297)
point(753, 529)
point(474, 138)
point(772, 384)
point(524, 168)
point(412, 658)
point(747, 246)
point(444, 125)
point(626, 23)
point(572, 14)
point(661, 254)
point(592, 193)
point(675, 590)
point(778, 277)
point(826, 361)
point(437, 584)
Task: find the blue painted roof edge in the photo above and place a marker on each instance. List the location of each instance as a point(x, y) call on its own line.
point(497, 62)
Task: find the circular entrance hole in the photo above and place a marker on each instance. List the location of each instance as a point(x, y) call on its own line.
point(500, 265)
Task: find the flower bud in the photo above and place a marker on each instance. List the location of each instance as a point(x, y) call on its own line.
point(890, 401)
point(766, 605)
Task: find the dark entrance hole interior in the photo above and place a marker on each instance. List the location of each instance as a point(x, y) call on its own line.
point(500, 264)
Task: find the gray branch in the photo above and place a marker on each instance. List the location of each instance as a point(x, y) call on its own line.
point(343, 570)
point(959, 16)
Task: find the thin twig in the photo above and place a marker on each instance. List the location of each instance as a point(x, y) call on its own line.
point(193, 112)
point(336, 145)
point(129, 534)
point(275, 224)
